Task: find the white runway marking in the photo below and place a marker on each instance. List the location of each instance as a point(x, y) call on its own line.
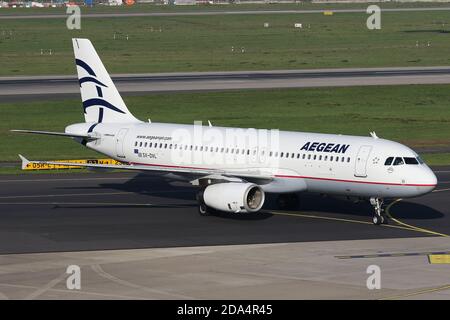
point(66, 195)
point(98, 269)
point(45, 288)
point(82, 203)
point(95, 294)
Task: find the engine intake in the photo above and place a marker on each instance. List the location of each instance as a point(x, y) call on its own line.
point(234, 197)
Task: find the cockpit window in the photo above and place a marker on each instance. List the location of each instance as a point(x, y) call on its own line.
point(398, 161)
point(420, 160)
point(411, 160)
point(388, 161)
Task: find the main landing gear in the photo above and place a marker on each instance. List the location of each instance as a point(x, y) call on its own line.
point(379, 216)
point(203, 209)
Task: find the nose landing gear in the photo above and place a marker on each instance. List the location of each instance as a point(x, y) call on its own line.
point(379, 216)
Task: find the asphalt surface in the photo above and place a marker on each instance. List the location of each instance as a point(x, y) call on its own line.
point(212, 12)
point(51, 87)
point(77, 212)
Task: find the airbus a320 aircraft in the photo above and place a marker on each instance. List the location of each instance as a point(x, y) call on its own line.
point(234, 174)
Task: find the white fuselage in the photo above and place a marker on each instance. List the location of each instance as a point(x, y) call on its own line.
point(323, 163)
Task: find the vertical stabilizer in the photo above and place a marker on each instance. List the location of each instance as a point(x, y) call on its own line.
point(102, 102)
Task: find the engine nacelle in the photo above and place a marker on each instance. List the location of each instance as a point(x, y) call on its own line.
point(234, 197)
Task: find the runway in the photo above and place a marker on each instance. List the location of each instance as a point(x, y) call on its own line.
point(51, 87)
point(212, 12)
point(78, 212)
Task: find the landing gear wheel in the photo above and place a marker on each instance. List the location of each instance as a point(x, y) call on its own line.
point(376, 219)
point(203, 209)
point(379, 216)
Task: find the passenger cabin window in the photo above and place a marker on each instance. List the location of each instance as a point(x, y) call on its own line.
point(398, 161)
point(411, 160)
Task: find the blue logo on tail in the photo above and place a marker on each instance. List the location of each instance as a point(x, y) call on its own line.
point(98, 84)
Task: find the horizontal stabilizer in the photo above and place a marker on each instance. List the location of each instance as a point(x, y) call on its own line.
point(62, 134)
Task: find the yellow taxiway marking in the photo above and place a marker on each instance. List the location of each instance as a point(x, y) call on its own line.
point(338, 219)
point(439, 258)
point(388, 213)
point(401, 296)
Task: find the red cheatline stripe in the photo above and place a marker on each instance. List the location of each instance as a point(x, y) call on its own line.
point(356, 181)
point(168, 166)
point(295, 177)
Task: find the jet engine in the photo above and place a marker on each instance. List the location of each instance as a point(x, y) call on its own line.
point(234, 197)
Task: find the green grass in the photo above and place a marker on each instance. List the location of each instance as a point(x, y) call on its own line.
point(437, 159)
point(203, 43)
point(415, 115)
point(235, 7)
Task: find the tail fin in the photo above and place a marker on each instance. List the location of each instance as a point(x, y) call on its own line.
point(101, 100)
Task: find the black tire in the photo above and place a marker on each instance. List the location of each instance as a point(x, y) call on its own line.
point(203, 209)
point(376, 220)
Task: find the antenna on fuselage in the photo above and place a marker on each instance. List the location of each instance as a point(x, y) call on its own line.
point(373, 135)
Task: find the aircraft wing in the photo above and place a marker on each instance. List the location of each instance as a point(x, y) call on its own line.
point(254, 174)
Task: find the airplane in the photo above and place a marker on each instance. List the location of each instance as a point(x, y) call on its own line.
point(234, 168)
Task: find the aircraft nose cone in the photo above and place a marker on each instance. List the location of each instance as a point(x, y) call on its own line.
point(433, 179)
point(430, 182)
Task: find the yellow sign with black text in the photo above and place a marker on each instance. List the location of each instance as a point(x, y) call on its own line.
point(44, 166)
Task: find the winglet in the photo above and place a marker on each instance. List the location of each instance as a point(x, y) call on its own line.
point(25, 161)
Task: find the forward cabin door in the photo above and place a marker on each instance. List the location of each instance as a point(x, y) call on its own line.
point(120, 138)
point(361, 161)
